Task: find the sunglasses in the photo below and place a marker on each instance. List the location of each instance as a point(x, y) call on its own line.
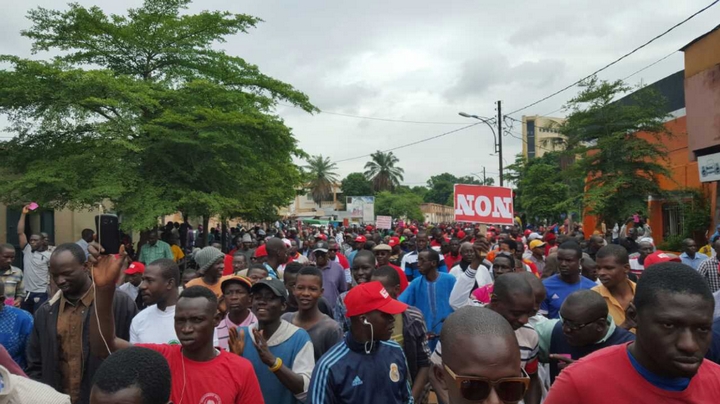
point(508, 389)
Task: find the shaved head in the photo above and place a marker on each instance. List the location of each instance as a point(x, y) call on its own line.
point(588, 301)
point(475, 322)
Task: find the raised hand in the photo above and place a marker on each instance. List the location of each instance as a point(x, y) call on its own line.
point(236, 341)
point(481, 248)
point(106, 269)
point(262, 347)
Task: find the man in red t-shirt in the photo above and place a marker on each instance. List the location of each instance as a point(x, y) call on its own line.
point(665, 364)
point(453, 257)
point(200, 373)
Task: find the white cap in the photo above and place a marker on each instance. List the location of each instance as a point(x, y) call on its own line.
point(534, 236)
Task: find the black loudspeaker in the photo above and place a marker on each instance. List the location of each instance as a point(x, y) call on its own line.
point(107, 228)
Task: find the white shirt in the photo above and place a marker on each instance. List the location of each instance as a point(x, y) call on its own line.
point(460, 295)
point(154, 326)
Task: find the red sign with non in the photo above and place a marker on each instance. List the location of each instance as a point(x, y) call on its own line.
point(483, 204)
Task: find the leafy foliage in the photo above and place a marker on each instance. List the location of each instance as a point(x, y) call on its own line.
point(402, 204)
point(619, 146)
point(441, 188)
point(382, 172)
point(355, 184)
point(141, 110)
point(321, 174)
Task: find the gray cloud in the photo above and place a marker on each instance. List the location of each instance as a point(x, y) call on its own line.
point(427, 60)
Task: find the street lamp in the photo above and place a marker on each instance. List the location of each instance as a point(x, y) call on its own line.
point(498, 140)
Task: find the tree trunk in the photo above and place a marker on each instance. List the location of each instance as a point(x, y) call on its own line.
point(206, 230)
point(223, 236)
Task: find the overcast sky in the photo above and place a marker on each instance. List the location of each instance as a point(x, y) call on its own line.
point(427, 61)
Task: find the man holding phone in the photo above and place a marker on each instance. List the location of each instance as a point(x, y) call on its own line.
point(36, 258)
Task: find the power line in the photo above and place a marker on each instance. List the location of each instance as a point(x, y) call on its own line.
point(651, 65)
point(372, 118)
point(411, 144)
point(616, 60)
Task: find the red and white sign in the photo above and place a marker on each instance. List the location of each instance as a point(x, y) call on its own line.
point(482, 204)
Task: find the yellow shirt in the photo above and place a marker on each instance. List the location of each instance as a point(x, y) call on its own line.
point(177, 252)
point(614, 308)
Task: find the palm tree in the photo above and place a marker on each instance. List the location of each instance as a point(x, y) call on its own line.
point(382, 172)
point(321, 174)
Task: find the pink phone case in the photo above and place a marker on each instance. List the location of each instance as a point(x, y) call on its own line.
point(33, 206)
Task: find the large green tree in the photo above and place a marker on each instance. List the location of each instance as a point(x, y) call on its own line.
point(618, 145)
point(355, 184)
point(383, 173)
point(321, 177)
point(403, 204)
point(144, 110)
point(442, 188)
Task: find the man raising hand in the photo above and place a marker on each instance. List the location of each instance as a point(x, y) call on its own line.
point(199, 371)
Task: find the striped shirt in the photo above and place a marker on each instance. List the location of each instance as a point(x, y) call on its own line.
point(710, 271)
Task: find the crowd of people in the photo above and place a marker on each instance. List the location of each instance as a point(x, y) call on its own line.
point(355, 314)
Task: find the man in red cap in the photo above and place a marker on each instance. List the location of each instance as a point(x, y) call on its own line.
point(396, 255)
point(133, 276)
point(360, 241)
point(366, 365)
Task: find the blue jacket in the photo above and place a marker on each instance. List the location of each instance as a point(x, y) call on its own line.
point(346, 374)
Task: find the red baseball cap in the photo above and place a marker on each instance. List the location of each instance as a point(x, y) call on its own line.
point(527, 232)
point(461, 234)
point(360, 239)
point(371, 296)
point(393, 241)
point(135, 268)
point(660, 256)
point(260, 252)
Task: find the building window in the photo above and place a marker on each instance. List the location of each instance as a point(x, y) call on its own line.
point(672, 219)
point(530, 130)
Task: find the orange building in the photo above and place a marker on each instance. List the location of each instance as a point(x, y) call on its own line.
point(664, 215)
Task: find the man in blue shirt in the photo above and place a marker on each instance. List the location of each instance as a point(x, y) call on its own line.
point(430, 293)
point(690, 255)
point(15, 328)
point(364, 368)
point(568, 279)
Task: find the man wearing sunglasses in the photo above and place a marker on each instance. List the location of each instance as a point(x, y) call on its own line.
point(583, 328)
point(665, 363)
point(481, 362)
point(513, 298)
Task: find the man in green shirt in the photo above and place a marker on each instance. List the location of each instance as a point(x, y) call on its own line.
point(154, 249)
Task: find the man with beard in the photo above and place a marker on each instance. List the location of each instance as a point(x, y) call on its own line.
point(665, 363)
point(569, 280)
point(58, 352)
point(584, 327)
point(365, 368)
point(382, 256)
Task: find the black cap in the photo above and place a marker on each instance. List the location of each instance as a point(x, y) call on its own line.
point(276, 285)
point(321, 246)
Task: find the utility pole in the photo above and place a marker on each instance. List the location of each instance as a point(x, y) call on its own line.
point(484, 179)
point(499, 140)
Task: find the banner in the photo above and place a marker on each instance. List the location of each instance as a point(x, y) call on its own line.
point(483, 204)
point(361, 207)
point(383, 222)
